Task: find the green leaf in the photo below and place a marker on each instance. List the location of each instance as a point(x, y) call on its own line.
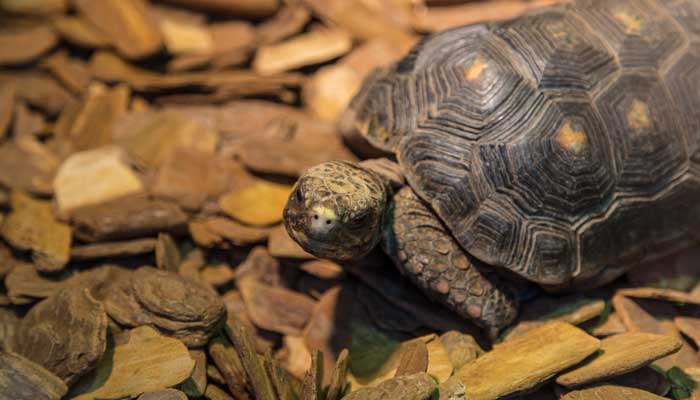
point(369, 350)
point(682, 385)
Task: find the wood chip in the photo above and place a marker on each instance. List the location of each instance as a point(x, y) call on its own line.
point(190, 177)
point(610, 392)
point(141, 361)
point(185, 37)
point(80, 31)
point(275, 308)
point(526, 361)
point(621, 354)
point(22, 379)
point(313, 380)
point(125, 248)
point(612, 326)
point(363, 22)
point(214, 393)
point(126, 217)
point(419, 386)
point(176, 306)
point(414, 359)
point(259, 204)
point(196, 384)
point(227, 361)
point(109, 67)
point(34, 7)
point(152, 138)
point(306, 49)
point(295, 356)
point(575, 310)
point(65, 333)
point(290, 20)
point(72, 72)
point(110, 176)
point(233, 43)
point(461, 348)
point(165, 394)
point(280, 244)
point(434, 19)
point(90, 123)
point(32, 226)
point(242, 8)
point(660, 294)
point(251, 362)
point(27, 165)
point(40, 90)
point(236, 233)
point(323, 269)
point(689, 327)
point(20, 46)
point(128, 24)
point(7, 99)
point(9, 323)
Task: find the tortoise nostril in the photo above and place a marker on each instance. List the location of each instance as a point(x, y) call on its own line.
point(315, 216)
point(328, 222)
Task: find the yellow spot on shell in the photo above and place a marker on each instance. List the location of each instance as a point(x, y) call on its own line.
point(638, 117)
point(632, 23)
point(474, 72)
point(571, 139)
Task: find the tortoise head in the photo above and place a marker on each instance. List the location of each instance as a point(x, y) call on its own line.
point(336, 209)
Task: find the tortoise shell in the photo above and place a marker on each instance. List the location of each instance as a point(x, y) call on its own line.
point(556, 144)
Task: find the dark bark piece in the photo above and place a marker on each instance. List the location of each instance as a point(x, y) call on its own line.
point(9, 323)
point(66, 333)
point(338, 382)
point(196, 384)
point(313, 380)
point(173, 304)
point(165, 394)
point(167, 254)
point(414, 359)
point(129, 25)
point(22, 379)
point(129, 217)
point(229, 365)
point(125, 248)
point(409, 387)
point(24, 45)
point(250, 360)
point(282, 381)
point(646, 378)
point(274, 308)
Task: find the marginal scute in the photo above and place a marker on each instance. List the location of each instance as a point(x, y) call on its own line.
point(642, 35)
point(686, 13)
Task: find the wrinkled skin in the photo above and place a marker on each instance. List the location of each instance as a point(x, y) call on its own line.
point(336, 210)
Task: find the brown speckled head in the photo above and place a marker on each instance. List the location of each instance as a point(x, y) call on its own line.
point(335, 210)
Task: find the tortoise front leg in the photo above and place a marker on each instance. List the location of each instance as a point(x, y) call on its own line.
point(424, 250)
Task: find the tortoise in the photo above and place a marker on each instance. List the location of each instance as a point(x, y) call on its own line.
point(559, 148)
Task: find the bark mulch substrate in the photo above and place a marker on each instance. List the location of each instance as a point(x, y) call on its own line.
point(146, 152)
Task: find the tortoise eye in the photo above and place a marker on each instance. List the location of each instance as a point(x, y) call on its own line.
point(300, 196)
point(360, 221)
